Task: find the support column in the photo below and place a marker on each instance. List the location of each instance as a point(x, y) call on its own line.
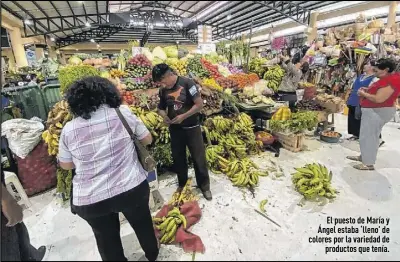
point(312, 27)
point(39, 53)
point(18, 47)
point(391, 21)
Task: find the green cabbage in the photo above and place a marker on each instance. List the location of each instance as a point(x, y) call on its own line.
point(171, 51)
point(158, 52)
point(70, 74)
point(74, 60)
point(148, 54)
point(157, 61)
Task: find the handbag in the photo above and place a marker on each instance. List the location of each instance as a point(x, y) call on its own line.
point(144, 157)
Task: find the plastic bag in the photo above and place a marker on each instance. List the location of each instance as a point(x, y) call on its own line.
point(23, 135)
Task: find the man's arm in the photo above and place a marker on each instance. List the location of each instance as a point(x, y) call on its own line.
point(10, 208)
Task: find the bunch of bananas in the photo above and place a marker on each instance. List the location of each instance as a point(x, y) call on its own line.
point(154, 123)
point(274, 77)
point(181, 197)
point(313, 181)
point(169, 225)
point(56, 120)
point(242, 173)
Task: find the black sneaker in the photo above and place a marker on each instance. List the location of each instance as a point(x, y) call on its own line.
point(207, 195)
point(40, 254)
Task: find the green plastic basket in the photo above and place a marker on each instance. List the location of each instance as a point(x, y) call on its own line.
point(29, 99)
point(51, 95)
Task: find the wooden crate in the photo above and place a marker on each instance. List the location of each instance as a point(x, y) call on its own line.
point(291, 142)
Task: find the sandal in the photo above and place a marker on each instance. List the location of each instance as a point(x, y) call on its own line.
point(364, 167)
point(354, 158)
point(382, 143)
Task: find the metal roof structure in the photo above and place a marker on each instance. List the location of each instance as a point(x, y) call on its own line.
point(70, 22)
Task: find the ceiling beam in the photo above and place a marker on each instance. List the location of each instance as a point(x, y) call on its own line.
point(46, 15)
point(31, 16)
point(296, 12)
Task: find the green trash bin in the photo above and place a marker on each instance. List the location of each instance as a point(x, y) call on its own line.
point(51, 95)
point(29, 99)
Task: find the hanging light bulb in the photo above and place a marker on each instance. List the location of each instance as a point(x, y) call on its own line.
point(27, 22)
point(92, 40)
point(52, 39)
point(229, 17)
point(87, 24)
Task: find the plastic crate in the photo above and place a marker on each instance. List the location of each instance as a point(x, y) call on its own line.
point(29, 99)
point(51, 95)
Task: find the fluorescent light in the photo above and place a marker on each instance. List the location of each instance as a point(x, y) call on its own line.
point(229, 17)
point(92, 40)
point(177, 42)
point(81, 2)
point(87, 24)
point(98, 45)
point(160, 24)
point(27, 22)
point(53, 39)
point(171, 9)
point(211, 8)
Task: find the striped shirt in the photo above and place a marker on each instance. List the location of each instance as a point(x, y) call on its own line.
point(103, 154)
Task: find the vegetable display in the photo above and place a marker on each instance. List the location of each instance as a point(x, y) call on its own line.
point(274, 77)
point(297, 123)
point(212, 69)
point(70, 74)
point(138, 66)
point(195, 66)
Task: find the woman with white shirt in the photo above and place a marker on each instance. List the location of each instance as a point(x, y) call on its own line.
point(108, 179)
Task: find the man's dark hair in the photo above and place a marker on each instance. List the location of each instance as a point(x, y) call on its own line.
point(386, 63)
point(159, 71)
point(85, 96)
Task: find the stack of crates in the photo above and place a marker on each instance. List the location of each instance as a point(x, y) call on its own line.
point(51, 95)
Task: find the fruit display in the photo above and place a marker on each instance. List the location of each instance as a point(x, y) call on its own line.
point(115, 73)
point(227, 83)
point(168, 225)
point(256, 66)
point(212, 84)
point(212, 101)
point(71, 73)
point(331, 134)
point(282, 114)
point(138, 66)
point(145, 82)
point(97, 62)
point(179, 66)
point(310, 105)
point(196, 67)
point(212, 69)
point(274, 77)
point(57, 118)
point(241, 79)
point(264, 137)
point(253, 78)
point(154, 123)
point(314, 181)
point(128, 97)
point(224, 71)
point(231, 140)
point(145, 101)
point(181, 197)
point(297, 123)
point(256, 100)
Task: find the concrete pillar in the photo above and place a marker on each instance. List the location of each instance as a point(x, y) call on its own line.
point(312, 27)
point(18, 47)
point(39, 53)
point(391, 21)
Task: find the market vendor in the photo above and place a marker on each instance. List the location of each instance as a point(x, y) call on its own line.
point(291, 79)
point(180, 104)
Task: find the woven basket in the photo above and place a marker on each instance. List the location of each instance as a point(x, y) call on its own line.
point(376, 23)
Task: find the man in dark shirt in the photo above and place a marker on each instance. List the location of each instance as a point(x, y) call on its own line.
point(180, 104)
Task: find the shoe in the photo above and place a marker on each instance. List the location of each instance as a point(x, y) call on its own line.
point(381, 143)
point(207, 195)
point(41, 252)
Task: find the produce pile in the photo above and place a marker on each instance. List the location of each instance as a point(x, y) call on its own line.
point(233, 69)
point(274, 77)
point(310, 105)
point(231, 141)
point(115, 73)
point(57, 118)
point(168, 225)
point(196, 67)
point(138, 66)
point(255, 100)
point(314, 181)
point(297, 123)
point(243, 79)
point(154, 123)
point(256, 66)
point(212, 69)
point(179, 66)
point(227, 83)
point(212, 101)
point(282, 114)
point(212, 84)
point(71, 73)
